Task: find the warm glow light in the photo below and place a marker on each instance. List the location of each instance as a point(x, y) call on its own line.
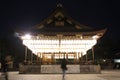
point(117, 60)
point(95, 37)
point(54, 46)
point(27, 36)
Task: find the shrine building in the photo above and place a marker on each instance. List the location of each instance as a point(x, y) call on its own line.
point(60, 36)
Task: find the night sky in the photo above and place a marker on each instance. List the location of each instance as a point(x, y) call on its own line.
point(24, 14)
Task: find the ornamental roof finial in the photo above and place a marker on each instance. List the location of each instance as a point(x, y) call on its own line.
point(59, 5)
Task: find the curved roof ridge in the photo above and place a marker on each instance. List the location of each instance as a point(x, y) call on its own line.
point(65, 22)
point(60, 9)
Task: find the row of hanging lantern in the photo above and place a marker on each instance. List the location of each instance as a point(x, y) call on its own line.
point(44, 45)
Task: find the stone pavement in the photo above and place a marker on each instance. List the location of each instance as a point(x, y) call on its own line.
point(105, 75)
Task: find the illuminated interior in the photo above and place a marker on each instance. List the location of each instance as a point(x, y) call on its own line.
point(57, 45)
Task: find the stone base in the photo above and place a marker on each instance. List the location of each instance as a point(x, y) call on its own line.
point(53, 69)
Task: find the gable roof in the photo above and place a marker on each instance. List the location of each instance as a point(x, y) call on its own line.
point(60, 22)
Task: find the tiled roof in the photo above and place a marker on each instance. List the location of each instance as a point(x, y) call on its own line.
point(59, 21)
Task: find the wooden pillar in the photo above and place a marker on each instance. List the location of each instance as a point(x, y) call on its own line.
point(37, 57)
point(66, 55)
point(43, 57)
point(40, 57)
point(75, 57)
point(93, 53)
point(31, 57)
point(86, 57)
point(59, 54)
point(78, 57)
point(52, 58)
point(81, 56)
point(26, 53)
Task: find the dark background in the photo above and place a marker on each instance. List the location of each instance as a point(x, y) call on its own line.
point(24, 14)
